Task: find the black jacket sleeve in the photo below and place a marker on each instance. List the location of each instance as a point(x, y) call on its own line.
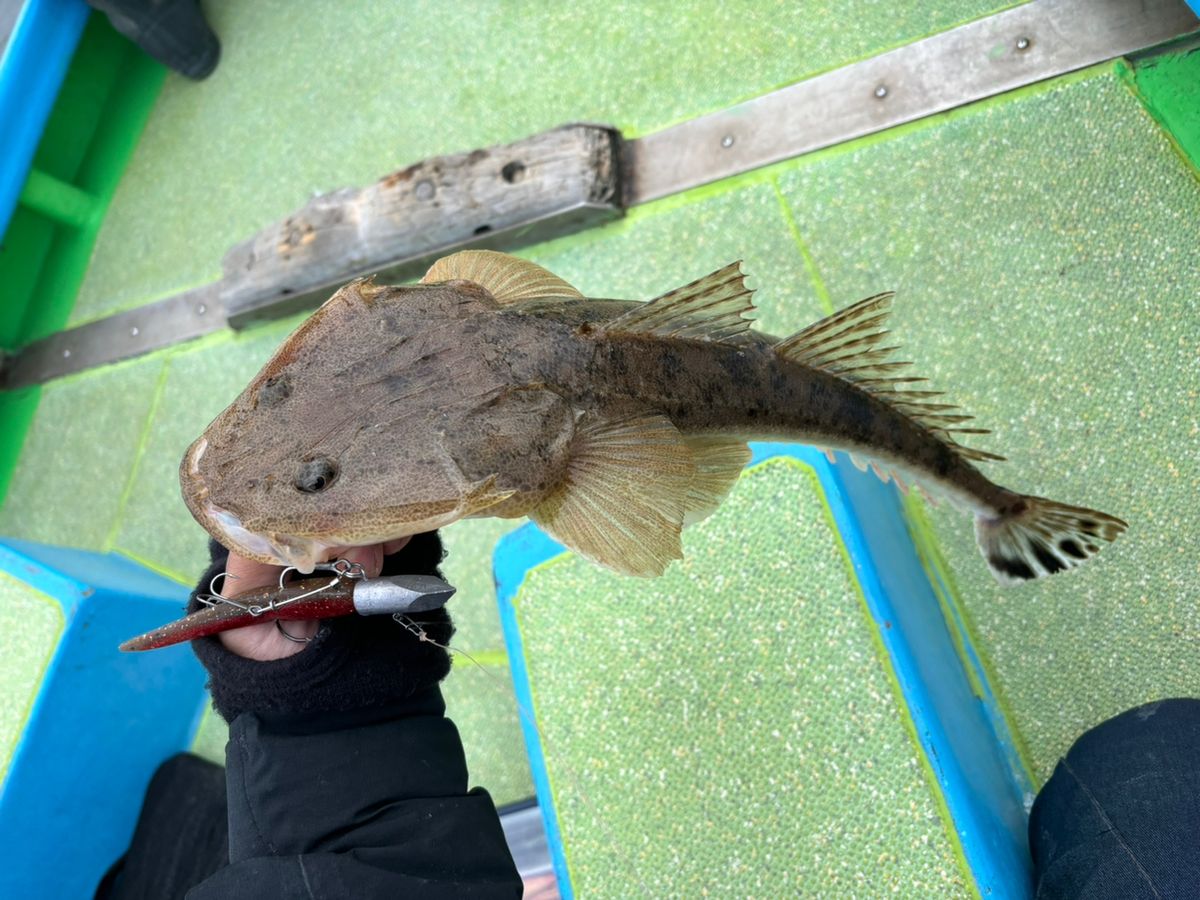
point(344, 777)
point(358, 805)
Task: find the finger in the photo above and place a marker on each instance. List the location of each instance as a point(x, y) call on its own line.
point(396, 546)
point(370, 558)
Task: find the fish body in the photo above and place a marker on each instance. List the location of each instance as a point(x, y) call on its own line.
point(495, 388)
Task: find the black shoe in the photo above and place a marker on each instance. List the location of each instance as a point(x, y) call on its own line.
point(182, 834)
point(172, 31)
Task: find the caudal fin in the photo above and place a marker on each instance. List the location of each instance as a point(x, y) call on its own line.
point(1040, 537)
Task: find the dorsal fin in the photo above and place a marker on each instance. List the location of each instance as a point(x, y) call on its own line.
point(848, 344)
point(508, 278)
point(845, 341)
point(712, 308)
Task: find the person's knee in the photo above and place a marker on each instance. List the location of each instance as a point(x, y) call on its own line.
point(1120, 815)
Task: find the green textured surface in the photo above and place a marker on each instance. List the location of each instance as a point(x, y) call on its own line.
point(310, 97)
point(31, 623)
point(211, 736)
point(70, 481)
point(1045, 257)
point(198, 383)
point(664, 246)
point(480, 701)
point(728, 728)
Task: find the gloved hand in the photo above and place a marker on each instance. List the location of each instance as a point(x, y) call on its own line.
point(352, 662)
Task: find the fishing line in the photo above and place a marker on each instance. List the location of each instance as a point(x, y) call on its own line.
point(420, 633)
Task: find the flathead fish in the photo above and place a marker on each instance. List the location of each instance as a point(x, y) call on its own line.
point(494, 388)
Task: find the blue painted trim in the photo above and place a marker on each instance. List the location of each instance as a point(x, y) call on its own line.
point(101, 724)
point(32, 69)
point(964, 737)
point(976, 768)
point(524, 549)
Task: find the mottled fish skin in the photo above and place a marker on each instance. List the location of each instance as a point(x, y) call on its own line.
point(742, 389)
point(497, 389)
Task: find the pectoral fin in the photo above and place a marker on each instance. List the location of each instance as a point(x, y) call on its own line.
point(624, 498)
point(509, 279)
point(718, 462)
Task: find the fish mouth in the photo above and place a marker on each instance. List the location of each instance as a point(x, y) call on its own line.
point(283, 549)
point(271, 547)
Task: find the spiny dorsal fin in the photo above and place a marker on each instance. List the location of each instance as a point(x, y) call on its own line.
point(719, 462)
point(849, 344)
point(844, 341)
point(624, 497)
point(508, 278)
point(713, 308)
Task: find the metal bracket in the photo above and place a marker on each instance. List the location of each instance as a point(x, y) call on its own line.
point(1009, 50)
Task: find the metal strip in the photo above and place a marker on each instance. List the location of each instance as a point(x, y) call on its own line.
point(124, 335)
point(1011, 49)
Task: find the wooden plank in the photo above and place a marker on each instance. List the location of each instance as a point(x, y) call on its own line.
point(500, 197)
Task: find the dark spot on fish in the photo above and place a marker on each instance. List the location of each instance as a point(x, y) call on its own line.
point(315, 475)
point(672, 365)
point(1016, 568)
point(1069, 547)
point(1089, 526)
point(482, 229)
point(1092, 548)
point(477, 156)
point(274, 391)
point(738, 367)
point(513, 171)
point(1016, 508)
point(1049, 561)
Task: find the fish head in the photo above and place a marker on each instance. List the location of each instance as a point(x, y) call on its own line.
point(338, 441)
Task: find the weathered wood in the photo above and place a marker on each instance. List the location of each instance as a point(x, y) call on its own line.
point(502, 196)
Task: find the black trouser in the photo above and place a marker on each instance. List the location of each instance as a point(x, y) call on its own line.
point(1120, 817)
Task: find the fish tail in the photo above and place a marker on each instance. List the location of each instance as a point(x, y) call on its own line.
point(1033, 537)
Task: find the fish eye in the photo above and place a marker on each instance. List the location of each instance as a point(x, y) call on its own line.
point(315, 475)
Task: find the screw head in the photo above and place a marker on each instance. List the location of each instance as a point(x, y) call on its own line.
point(1022, 43)
point(66, 354)
point(881, 91)
point(727, 141)
point(134, 332)
point(201, 309)
point(424, 189)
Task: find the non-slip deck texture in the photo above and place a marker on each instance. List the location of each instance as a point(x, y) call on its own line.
point(1044, 254)
point(31, 623)
point(728, 729)
point(312, 96)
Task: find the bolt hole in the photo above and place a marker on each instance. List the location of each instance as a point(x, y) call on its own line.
point(513, 172)
point(482, 229)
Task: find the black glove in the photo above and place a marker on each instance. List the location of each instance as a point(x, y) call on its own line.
point(353, 662)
